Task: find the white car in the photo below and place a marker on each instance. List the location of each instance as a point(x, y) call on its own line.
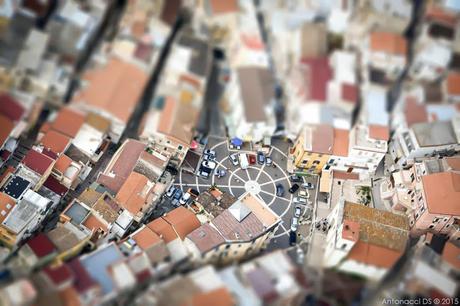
point(211, 153)
point(209, 164)
point(203, 174)
point(297, 211)
point(300, 200)
point(170, 191)
point(308, 186)
point(244, 162)
point(294, 224)
point(184, 199)
point(234, 159)
point(304, 194)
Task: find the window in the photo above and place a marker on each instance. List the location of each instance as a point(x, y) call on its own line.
point(180, 147)
point(431, 226)
point(227, 246)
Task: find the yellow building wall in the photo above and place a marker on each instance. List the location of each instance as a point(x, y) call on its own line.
point(311, 161)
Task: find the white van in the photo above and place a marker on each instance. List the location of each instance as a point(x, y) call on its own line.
point(244, 162)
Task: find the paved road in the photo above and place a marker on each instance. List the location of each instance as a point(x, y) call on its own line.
point(259, 179)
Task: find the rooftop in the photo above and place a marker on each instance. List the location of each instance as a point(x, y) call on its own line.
point(37, 162)
point(436, 133)
point(115, 88)
point(6, 205)
point(68, 121)
point(389, 43)
point(121, 165)
point(6, 127)
point(256, 87)
point(134, 193)
point(98, 262)
point(453, 83)
point(319, 138)
point(317, 76)
point(378, 227)
point(206, 237)
point(10, 107)
point(442, 191)
point(16, 186)
point(178, 223)
point(415, 112)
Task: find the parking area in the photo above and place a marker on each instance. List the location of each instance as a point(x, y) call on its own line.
point(258, 179)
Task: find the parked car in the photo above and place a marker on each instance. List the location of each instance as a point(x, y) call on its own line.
point(260, 158)
point(268, 161)
point(294, 224)
point(295, 179)
point(297, 211)
point(178, 194)
point(203, 173)
point(210, 153)
point(193, 192)
point(304, 194)
point(234, 159)
point(175, 202)
point(252, 159)
point(308, 185)
point(244, 163)
point(185, 198)
point(279, 190)
point(300, 200)
point(294, 188)
point(209, 164)
point(170, 191)
point(220, 173)
point(292, 238)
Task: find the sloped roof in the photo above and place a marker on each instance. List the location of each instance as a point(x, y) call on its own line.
point(37, 161)
point(389, 43)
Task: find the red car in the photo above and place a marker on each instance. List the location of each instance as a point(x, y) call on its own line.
point(252, 159)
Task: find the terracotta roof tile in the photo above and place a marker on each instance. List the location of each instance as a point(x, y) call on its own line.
point(134, 193)
point(374, 255)
point(379, 132)
point(222, 7)
point(68, 121)
point(389, 43)
point(453, 83)
point(55, 141)
point(6, 205)
point(41, 245)
point(115, 88)
point(93, 223)
point(415, 112)
point(146, 238)
point(216, 297)
point(435, 13)
point(341, 142)
point(37, 161)
point(6, 127)
point(442, 192)
point(319, 75)
point(451, 254)
point(55, 186)
point(182, 220)
point(62, 163)
point(10, 108)
point(163, 229)
point(206, 238)
point(59, 275)
point(121, 165)
point(350, 93)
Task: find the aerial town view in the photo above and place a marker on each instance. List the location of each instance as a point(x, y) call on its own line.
point(229, 152)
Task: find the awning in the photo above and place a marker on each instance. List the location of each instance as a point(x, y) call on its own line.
point(193, 145)
point(237, 141)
